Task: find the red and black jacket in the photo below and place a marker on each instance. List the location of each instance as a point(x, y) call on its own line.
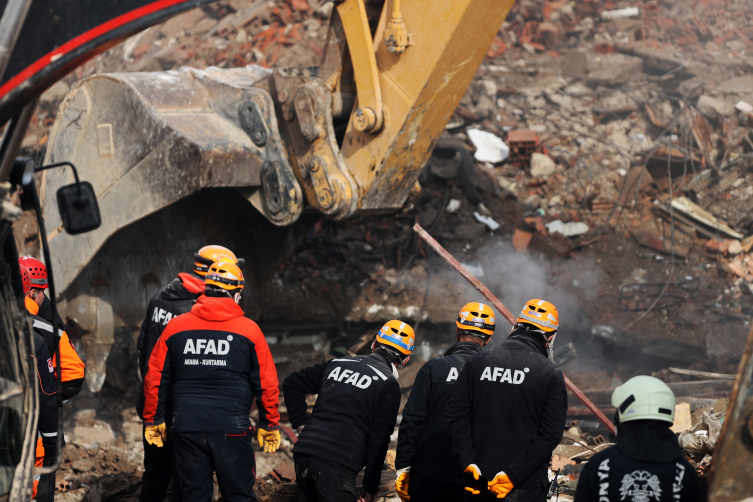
point(216, 361)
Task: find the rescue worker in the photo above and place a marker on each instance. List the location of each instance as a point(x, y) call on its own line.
point(43, 488)
point(73, 369)
point(352, 421)
point(507, 411)
point(171, 301)
point(216, 361)
point(647, 463)
point(426, 467)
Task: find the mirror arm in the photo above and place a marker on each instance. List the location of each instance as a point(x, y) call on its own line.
point(61, 164)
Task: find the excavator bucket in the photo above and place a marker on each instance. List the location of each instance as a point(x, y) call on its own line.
point(204, 143)
point(146, 140)
point(180, 159)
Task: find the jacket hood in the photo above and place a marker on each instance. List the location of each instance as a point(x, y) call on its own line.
point(216, 309)
point(648, 441)
point(463, 348)
point(184, 287)
point(534, 341)
point(192, 283)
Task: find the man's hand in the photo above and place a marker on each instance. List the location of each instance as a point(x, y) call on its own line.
point(365, 496)
point(401, 484)
point(269, 440)
point(156, 435)
point(500, 485)
point(476, 473)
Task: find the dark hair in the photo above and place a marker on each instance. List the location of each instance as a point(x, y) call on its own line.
point(391, 354)
point(474, 333)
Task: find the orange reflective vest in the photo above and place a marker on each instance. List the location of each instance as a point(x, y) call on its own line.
point(73, 369)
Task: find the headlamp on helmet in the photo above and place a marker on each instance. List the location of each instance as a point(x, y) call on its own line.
point(397, 337)
point(225, 277)
point(541, 314)
point(476, 318)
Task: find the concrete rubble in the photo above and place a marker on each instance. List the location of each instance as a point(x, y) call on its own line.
point(624, 191)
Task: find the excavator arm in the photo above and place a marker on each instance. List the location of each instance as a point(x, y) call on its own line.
point(347, 137)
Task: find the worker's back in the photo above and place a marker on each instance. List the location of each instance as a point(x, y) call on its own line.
point(339, 425)
point(218, 362)
point(518, 405)
point(423, 443)
point(640, 468)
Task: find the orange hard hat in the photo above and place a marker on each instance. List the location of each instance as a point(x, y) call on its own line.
point(475, 316)
point(541, 314)
point(398, 335)
point(225, 275)
point(212, 254)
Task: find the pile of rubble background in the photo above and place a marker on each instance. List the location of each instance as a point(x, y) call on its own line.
point(601, 158)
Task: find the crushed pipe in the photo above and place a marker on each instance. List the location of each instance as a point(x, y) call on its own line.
point(506, 314)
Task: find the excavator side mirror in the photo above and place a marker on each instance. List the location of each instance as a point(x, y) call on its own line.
point(78, 207)
point(79, 211)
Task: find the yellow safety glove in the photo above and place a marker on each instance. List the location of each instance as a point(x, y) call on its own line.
point(476, 472)
point(269, 440)
point(500, 485)
point(401, 484)
point(156, 435)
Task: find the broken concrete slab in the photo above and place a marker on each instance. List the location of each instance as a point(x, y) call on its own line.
point(682, 418)
point(575, 64)
point(710, 105)
point(615, 70)
point(737, 85)
point(542, 165)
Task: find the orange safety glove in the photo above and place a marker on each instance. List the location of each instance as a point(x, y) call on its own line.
point(500, 485)
point(476, 472)
point(401, 484)
point(156, 435)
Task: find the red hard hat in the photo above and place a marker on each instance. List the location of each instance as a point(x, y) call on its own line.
point(37, 271)
point(25, 278)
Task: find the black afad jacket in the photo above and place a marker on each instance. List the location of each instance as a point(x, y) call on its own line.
point(646, 465)
point(171, 301)
point(354, 415)
point(507, 411)
point(47, 426)
point(423, 443)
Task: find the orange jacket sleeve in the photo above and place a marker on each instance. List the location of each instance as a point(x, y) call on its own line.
point(266, 386)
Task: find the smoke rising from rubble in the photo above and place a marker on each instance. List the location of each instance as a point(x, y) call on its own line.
point(518, 277)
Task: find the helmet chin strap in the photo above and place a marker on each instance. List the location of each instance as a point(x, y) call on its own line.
point(237, 297)
point(550, 346)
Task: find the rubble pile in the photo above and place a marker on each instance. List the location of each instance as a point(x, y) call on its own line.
point(602, 156)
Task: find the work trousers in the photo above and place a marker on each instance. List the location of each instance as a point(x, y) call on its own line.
point(423, 489)
point(322, 481)
point(230, 457)
point(516, 495)
point(159, 470)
